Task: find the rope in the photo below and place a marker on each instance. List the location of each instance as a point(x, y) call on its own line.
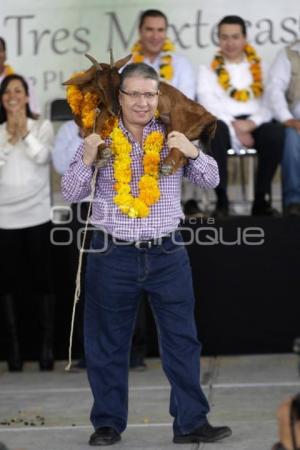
point(78, 275)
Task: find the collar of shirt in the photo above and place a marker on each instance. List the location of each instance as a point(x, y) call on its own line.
point(152, 125)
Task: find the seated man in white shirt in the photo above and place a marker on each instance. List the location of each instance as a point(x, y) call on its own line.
point(283, 95)
point(158, 51)
point(232, 89)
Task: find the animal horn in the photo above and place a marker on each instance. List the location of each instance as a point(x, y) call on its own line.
point(111, 57)
point(93, 60)
point(121, 62)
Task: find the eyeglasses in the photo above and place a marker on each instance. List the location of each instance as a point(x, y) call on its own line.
point(134, 95)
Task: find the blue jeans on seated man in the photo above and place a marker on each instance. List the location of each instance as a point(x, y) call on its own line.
point(291, 167)
point(115, 280)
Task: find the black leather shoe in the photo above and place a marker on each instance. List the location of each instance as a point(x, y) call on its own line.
point(191, 209)
point(204, 433)
point(292, 210)
point(104, 436)
point(137, 364)
point(278, 446)
point(264, 209)
point(221, 212)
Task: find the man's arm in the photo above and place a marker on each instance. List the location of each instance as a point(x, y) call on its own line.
point(76, 182)
point(201, 169)
point(277, 85)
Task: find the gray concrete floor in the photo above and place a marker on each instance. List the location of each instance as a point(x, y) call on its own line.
point(50, 411)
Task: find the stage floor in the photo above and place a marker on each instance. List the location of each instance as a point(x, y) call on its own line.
point(244, 392)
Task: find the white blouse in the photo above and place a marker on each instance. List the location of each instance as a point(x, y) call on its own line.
point(25, 176)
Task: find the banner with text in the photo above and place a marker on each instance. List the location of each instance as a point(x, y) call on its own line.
point(46, 41)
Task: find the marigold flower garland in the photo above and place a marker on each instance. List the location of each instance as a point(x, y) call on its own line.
point(149, 192)
point(242, 95)
point(135, 207)
point(166, 70)
point(83, 104)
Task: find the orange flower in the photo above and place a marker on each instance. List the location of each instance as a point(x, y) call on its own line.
point(108, 126)
point(74, 98)
point(137, 58)
point(83, 104)
point(151, 162)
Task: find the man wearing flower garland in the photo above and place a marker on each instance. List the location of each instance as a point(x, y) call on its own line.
point(137, 248)
point(232, 89)
point(155, 49)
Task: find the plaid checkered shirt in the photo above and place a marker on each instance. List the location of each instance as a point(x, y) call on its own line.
point(164, 216)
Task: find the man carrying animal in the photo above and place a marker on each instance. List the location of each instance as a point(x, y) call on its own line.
point(137, 248)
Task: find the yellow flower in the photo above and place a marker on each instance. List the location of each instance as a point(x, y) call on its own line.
point(166, 70)
point(88, 118)
point(83, 105)
point(257, 89)
point(74, 98)
point(122, 188)
point(215, 64)
point(241, 95)
point(141, 209)
point(151, 162)
point(154, 141)
point(136, 48)
point(168, 46)
point(224, 78)
point(149, 193)
point(166, 59)
point(137, 58)
point(8, 70)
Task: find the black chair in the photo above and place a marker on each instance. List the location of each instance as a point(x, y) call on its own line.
point(60, 110)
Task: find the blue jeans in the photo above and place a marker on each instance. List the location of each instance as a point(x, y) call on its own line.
point(291, 167)
point(115, 280)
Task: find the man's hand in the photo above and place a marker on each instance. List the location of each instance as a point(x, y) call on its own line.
point(243, 129)
point(180, 141)
point(90, 151)
point(243, 126)
point(246, 139)
point(293, 123)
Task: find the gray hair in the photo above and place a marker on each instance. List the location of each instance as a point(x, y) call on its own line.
point(141, 70)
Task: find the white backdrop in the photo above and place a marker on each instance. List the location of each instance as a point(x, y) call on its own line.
point(47, 39)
